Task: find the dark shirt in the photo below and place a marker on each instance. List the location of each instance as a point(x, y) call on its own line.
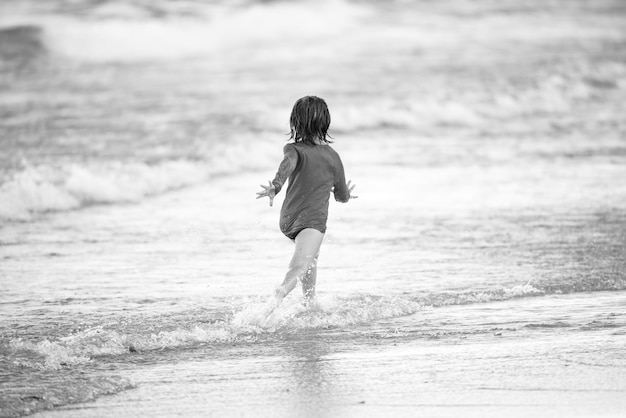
point(318, 172)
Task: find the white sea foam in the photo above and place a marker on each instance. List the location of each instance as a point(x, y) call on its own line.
point(81, 347)
point(500, 293)
point(46, 188)
point(55, 355)
point(244, 326)
point(423, 113)
point(43, 188)
point(121, 32)
point(328, 311)
point(556, 95)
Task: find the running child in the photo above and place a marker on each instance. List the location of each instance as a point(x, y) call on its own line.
point(314, 170)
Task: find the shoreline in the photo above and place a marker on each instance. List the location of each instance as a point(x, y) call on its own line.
point(497, 372)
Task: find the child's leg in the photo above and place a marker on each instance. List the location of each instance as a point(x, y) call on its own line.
point(308, 244)
point(308, 281)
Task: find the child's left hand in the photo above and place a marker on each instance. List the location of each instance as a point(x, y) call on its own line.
point(269, 191)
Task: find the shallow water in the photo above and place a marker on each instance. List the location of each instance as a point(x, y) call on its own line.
point(471, 360)
point(480, 272)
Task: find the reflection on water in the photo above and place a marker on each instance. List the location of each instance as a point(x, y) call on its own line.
point(312, 381)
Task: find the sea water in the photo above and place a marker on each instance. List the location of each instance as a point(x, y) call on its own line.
point(487, 143)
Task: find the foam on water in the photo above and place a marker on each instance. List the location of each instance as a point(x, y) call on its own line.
point(423, 113)
point(122, 32)
point(325, 313)
point(246, 322)
point(557, 94)
point(43, 188)
point(83, 346)
point(244, 326)
point(49, 188)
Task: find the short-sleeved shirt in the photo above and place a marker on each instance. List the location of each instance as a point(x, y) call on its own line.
point(318, 171)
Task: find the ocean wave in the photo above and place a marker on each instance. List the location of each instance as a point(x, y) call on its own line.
point(555, 95)
point(116, 31)
point(42, 188)
point(246, 323)
point(39, 189)
point(481, 296)
point(84, 346)
point(418, 114)
point(243, 327)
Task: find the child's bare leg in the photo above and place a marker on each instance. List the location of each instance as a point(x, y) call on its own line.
point(308, 244)
point(308, 282)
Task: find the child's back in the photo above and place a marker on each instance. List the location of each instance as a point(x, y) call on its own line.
point(319, 169)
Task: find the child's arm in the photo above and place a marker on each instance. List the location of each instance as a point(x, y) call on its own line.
point(285, 169)
point(341, 189)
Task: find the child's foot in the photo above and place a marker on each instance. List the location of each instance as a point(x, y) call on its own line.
point(311, 304)
point(274, 302)
point(272, 305)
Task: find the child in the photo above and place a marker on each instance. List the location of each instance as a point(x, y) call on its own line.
point(314, 170)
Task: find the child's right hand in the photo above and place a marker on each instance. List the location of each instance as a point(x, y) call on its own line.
point(269, 191)
point(351, 187)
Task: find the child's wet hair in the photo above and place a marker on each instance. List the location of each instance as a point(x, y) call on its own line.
point(309, 120)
